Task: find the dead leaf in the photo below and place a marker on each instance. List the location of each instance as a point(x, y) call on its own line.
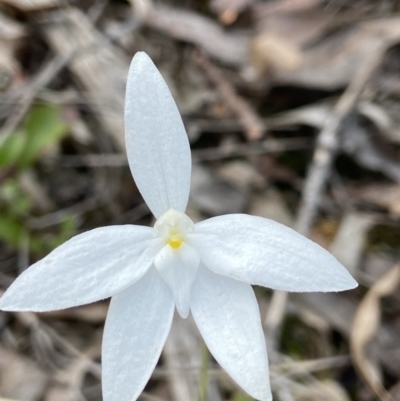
point(20, 378)
point(213, 195)
point(350, 240)
point(359, 142)
point(268, 50)
point(32, 5)
point(385, 116)
point(231, 48)
point(7, 399)
point(67, 383)
point(271, 205)
point(10, 34)
point(10, 29)
point(365, 325)
point(329, 390)
point(98, 66)
point(331, 53)
point(386, 196)
point(339, 311)
point(229, 10)
point(284, 6)
point(241, 173)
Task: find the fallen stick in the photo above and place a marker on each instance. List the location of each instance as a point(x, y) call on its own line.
point(253, 126)
point(327, 145)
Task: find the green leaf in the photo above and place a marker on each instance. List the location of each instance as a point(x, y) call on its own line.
point(242, 397)
point(14, 199)
point(44, 127)
point(67, 230)
point(11, 230)
point(12, 148)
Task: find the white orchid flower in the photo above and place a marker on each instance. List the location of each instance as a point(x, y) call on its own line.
point(206, 268)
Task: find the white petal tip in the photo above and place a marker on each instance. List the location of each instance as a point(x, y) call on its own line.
point(345, 282)
point(183, 312)
point(349, 285)
point(261, 392)
point(141, 62)
point(353, 285)
point(141, 56)
point(267, 398)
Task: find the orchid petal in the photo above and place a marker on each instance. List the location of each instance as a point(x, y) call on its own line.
point(178, 268)
point(89, 267)
point(156, 141)
point(263, 252)
point(137, 325)
point(227, 315)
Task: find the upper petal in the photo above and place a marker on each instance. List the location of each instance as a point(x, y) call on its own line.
point(156, 141)
point(227, 315)
point(178, 268)
point(137, 325)
point(263, 252)
point(90, 266)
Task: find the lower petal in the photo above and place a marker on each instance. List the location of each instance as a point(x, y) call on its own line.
point(227, 315)
point(137, 325)
point(178, 268)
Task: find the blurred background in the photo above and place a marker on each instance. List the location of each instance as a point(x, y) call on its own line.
point(292, 108)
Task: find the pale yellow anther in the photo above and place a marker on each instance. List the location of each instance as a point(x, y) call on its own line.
point(175, 244)
point(173, 227)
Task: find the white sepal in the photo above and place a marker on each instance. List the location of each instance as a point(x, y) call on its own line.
point(156, 141)
point(89, 267)
point(178, 268)
point(227, 315)
point(137, 325)
point(263, 252)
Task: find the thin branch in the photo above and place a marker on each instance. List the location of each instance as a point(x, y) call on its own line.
point(215, 153)
point(252, 124)
point(24, 101)
point(328, 142)
point(327, 145)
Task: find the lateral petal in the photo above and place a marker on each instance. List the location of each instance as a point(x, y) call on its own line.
point(89, 267)
point(227, 315)
point(178, 268)
point(156, 141)
point(263, 252)
point(137, 325)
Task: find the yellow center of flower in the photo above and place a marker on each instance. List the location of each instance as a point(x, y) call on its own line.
point(175, 244)
point(173, 226)
point(175, 239)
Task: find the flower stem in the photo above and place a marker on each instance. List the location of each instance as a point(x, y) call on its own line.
point(203, 385)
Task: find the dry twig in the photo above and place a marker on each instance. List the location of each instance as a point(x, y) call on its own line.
point(248, 118)
point(327, 144)
point(24, 101)
point(365, 325)
point(189, 26)
point(235, 150)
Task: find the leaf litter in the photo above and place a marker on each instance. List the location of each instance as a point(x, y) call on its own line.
point(288, 62)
